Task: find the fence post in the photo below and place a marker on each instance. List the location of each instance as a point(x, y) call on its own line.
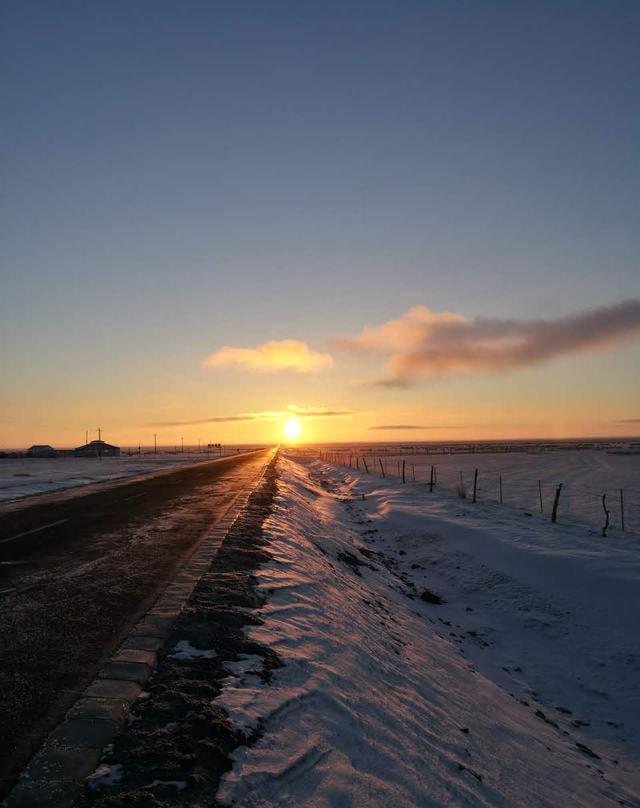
point(606, 515)
point(475, 484)
point(554, 512)
point(403, 463)
point(540, 494)
point(366, 467)
point(622, 509)
point(357, 464)
point(501, 489)
point(431, 481)
point(381, 466)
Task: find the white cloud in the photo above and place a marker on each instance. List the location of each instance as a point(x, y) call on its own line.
point(277, 355)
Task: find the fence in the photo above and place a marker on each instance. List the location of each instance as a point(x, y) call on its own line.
point(616, 509)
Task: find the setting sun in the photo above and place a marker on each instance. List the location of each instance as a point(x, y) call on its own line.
point(292, 429)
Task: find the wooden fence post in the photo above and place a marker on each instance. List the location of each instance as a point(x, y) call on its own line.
point(606, 516)
point(475, 484)
point(554, 512)
point(381, 466)
point(366, 467)
point(403, 463)
point(431, 481)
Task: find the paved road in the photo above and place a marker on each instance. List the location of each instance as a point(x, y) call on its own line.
point(78, 569)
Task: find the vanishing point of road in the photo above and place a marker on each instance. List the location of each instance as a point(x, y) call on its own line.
point(78, 568)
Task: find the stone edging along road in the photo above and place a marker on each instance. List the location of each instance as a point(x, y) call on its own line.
point(57, 772)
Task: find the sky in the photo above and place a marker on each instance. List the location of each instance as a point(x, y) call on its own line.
point(395, 221)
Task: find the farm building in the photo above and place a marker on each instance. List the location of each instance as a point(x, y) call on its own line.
point(41, 450)
point(97, 448)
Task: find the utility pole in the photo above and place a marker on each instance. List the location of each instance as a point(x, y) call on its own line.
point(86, 436)
point(155, 443)
point(99, 434)
point(182, 440)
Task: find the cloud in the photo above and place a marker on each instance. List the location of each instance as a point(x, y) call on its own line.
point(285, 354)
point(411, 426)
point(406, 330)
point(311, 412)
point(399, 426)
point(422, 343)
point(267, 415)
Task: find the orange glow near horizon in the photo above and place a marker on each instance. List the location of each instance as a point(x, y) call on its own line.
point(292, 429)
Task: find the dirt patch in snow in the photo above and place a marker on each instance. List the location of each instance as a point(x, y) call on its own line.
point(430, 597)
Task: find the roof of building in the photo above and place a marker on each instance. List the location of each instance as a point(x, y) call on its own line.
point(98, 444)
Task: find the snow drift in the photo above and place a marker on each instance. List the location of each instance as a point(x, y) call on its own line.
point(381, 700)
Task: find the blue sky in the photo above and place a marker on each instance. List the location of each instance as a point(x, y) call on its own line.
point(182, 176)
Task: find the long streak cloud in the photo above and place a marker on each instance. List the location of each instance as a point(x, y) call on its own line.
point(423, 343)
point(267, 415)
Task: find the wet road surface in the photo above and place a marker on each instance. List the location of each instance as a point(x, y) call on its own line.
point(77, 569)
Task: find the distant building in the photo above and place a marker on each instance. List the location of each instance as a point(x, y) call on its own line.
point(97, 448)
point(41, 450)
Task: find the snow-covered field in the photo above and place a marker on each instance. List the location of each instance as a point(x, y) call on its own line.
point(585, 476)
point(21, 477)
point(436, 653)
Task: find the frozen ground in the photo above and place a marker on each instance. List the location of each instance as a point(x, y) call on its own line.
point(436, 653)
point(25, 476)
point(585, 476)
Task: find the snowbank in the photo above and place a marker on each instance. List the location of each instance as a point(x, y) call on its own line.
point(387, 700)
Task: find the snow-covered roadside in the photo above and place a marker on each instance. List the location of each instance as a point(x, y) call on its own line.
point(387, 700)
point(23, 477)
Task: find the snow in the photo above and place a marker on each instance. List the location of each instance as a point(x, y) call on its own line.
point(21, 477)
point(585, 476)
point(184, 650)
point(180, 785)
point(105, 776)
point(386, 700)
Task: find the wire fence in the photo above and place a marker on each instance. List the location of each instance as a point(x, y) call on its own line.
point(605, 510)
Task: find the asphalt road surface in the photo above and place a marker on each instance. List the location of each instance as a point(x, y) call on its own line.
point(77, 569)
